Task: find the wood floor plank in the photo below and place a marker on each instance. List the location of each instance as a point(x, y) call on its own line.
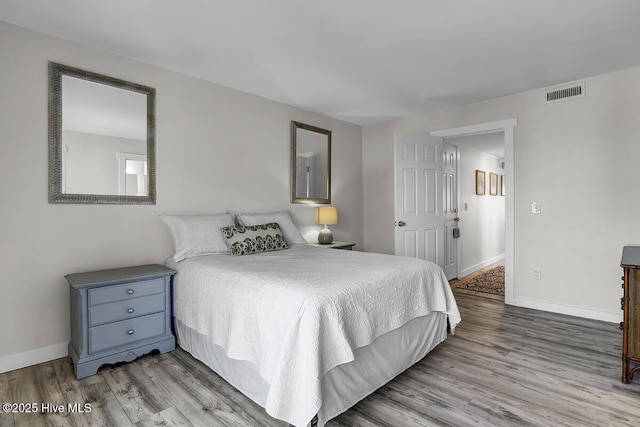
point(505, 366)
point(251, 411)
point(197, 412)
point(352, 418)
point(52, 395)
point(64, 370)
point(81, 392)
point(385, 412)
point(6, 396)
point(138, 395)
point(191, 397)
point(104, 402)
point(408, 394)
point(168, 417)
point(25, 391)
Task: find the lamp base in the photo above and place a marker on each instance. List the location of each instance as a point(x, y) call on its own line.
point(325, 236)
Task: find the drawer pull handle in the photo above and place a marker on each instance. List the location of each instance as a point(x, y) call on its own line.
point(130, 291)
point(130, 332)
point(130, 310)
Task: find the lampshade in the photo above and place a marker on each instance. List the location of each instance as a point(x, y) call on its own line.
point(327, 215)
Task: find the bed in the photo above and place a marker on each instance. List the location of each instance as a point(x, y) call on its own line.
point(306, 332)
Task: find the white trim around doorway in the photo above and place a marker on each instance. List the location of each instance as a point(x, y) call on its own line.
point(507, 126)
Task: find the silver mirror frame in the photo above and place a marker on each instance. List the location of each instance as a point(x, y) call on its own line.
point(294, 152)
point(56, 194)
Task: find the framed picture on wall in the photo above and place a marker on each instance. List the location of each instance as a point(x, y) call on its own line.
point(480, 182)
point(503, 186)
point(493, 184)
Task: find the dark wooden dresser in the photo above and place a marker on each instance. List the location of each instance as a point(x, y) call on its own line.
point(630, 304)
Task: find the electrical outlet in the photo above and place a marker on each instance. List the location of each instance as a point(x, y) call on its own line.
point(536, 273)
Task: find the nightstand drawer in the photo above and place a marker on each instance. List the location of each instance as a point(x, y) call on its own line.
point(125, 332)
point(125, 291)
point(120, 310)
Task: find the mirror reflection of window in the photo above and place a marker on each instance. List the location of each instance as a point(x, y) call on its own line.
point(133, 178)
point(136, 183)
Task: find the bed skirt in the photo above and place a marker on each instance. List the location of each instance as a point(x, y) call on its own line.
point(344, 385)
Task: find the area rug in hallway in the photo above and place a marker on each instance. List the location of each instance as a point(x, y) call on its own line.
point(490, 282)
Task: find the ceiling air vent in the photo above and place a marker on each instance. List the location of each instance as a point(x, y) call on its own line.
point(560, 94)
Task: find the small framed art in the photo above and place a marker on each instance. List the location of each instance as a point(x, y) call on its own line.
point(503, 186)
point(480, 184)
point(493, 184)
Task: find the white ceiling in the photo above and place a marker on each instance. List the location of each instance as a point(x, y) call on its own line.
point(362, 61)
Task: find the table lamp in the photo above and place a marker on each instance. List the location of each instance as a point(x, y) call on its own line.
point(326, 215)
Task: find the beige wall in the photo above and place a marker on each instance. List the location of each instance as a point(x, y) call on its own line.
point(217, 149)
point(579, 158)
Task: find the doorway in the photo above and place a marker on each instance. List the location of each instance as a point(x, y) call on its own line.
point(481, 246)
point(481, 213)
point(508, 127)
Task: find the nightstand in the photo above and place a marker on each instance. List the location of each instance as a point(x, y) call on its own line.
point(334, 245)
point(118, 315)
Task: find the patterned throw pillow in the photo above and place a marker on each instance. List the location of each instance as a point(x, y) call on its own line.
point(251, 239)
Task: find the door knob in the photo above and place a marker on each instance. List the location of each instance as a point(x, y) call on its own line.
point(401, 223)
point(456, 219)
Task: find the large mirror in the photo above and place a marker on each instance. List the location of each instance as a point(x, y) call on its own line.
point(101, 139)
point(310, 164)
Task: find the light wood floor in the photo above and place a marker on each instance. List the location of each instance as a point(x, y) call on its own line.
point(505, 366)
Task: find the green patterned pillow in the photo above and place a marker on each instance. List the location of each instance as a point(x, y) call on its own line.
point(251, 239)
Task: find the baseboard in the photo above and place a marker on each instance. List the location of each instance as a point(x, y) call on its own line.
point(566, 309)
point(32, 357)
point(481, 265)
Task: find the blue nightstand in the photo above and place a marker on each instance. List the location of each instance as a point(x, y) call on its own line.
point(118, 315)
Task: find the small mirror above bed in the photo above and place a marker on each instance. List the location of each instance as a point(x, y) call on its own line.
point(310, 164)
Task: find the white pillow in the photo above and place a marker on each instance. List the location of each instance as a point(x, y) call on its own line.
point(195, 235)
point(282, 218)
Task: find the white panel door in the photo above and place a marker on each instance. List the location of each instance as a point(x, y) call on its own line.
point(418, 197)
point(450, 209)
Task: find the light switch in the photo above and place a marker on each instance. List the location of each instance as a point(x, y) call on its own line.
point(536, 207)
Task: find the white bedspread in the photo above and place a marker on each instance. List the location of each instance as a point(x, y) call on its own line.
point(299, 312)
